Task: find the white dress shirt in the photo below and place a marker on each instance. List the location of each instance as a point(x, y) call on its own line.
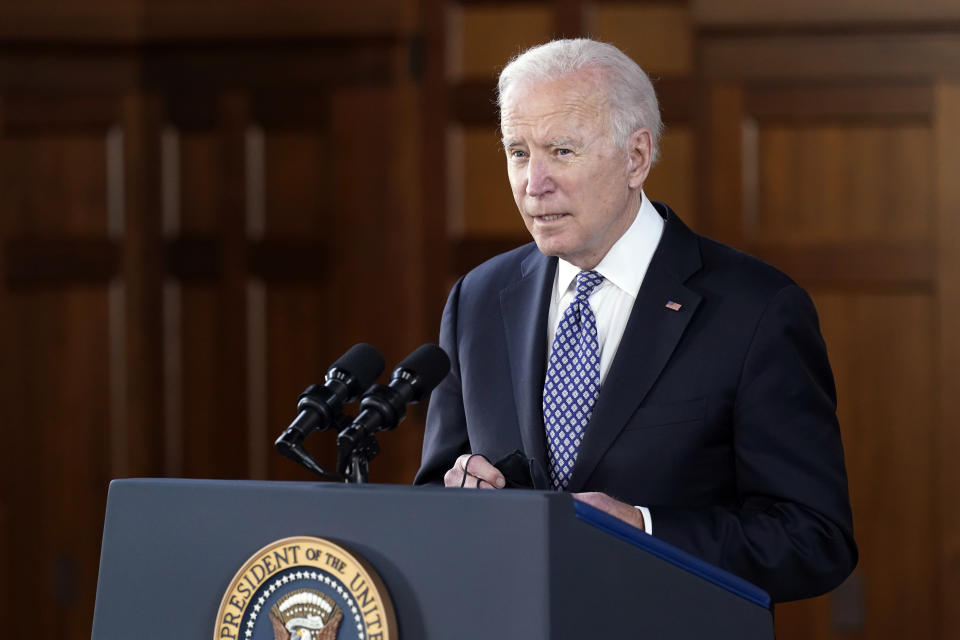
point(623, 270)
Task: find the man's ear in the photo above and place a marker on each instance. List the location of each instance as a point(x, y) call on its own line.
point(639, 157)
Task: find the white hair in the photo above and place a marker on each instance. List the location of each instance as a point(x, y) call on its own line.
point(633, 102)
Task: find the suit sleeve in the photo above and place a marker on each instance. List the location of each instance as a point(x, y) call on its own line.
point(791, 531)
point(445, 436)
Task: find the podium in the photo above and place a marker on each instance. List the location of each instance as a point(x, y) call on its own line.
point(457, 563)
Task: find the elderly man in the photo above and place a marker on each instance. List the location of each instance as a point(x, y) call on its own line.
point(667, 379)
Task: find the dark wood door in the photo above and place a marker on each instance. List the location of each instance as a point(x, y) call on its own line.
point(193, 226)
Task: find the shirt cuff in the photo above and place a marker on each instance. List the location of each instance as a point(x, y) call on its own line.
point(647, 520)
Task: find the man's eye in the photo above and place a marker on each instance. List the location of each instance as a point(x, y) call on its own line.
point(564, 152)
point(516, 153)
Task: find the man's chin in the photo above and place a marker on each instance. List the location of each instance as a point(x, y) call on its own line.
point(550, 247)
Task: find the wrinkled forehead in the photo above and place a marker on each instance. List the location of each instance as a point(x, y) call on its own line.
point(574, 100)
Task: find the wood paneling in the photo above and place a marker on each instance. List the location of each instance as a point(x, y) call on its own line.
point(195, 196)
point(298, 178)
point(72, 167)
point(947, 418)
point(138, 21)
point(482, 38)
point(659, 37)
point(51, 261)
point(825, 158)
point(190, 235)
point(881, 102)
point(206, 397)
point(673, 178)
point(856, 57)
point(854, 264)
point(882, 352)
point(481, 202)
point(56, 417)
point(758, 13)
point(57, 400)
point(826, 182)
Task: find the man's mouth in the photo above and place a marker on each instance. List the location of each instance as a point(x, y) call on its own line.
point(549, 217)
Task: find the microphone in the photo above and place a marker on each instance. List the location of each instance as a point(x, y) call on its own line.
point(321, 406)
point(383, 407)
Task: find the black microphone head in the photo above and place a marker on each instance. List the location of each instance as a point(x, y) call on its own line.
point(358, 368)
point(428, 365)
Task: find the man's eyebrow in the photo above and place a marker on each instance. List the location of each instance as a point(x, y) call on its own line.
point(558, 142)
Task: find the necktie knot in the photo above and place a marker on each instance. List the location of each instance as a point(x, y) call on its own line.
point(587, 281)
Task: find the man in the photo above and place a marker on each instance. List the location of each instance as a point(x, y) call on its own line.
point(665, 378)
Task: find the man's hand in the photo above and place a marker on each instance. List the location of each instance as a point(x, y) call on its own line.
point(475, 472)
point(628, 513)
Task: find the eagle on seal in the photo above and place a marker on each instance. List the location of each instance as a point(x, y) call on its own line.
point(305, 614)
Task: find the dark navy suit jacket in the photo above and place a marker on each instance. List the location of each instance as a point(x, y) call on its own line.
point(720, 417)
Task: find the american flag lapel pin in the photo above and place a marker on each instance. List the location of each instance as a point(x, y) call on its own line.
point(673, 306)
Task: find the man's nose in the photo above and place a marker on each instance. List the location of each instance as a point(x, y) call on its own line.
point(539, 179)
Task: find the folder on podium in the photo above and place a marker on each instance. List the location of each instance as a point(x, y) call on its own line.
point(185, 559)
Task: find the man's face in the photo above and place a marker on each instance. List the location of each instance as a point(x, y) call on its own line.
point(576, 190)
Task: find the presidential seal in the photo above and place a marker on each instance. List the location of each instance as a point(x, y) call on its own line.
point(305, 588)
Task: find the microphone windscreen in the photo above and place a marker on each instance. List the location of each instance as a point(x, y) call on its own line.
point(363, 362)
point(430, 364)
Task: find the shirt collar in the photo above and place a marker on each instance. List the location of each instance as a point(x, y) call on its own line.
point(625, 264)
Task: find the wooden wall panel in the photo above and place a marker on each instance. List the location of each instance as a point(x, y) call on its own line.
point(358, 277)
point(882, 352)
point(481, 203)
point(203, 409)
point(659, 37)
point(206, 445)
point(890, 592)
point(174, 223)
point(829, 13)
point(831, 172)
point(58, 195)
point(822, 182)
point(673, 178)
point(844, 57)
point(197, 189)
point(947, 435)
point(72, 167)
point(138, 21)
point(57, 454)
point(379, 238)
point(298, 164)
point(482, 38)
point(302, 340)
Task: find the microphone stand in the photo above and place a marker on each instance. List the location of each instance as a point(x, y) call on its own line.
point(298, 454)
point(292, 448)
point(355, 449)
point(354, 455)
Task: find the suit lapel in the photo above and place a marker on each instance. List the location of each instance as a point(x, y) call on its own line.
point(651, 335)
point(524, 306)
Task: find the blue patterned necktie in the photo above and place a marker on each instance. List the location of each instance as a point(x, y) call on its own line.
point(573, 380)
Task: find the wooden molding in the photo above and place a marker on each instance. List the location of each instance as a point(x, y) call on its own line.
point(830, 56)
point(947, 126)
point(860, 265)
point(878, 101)
point(153, 21)
point(764, 13)
point(33, 262)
